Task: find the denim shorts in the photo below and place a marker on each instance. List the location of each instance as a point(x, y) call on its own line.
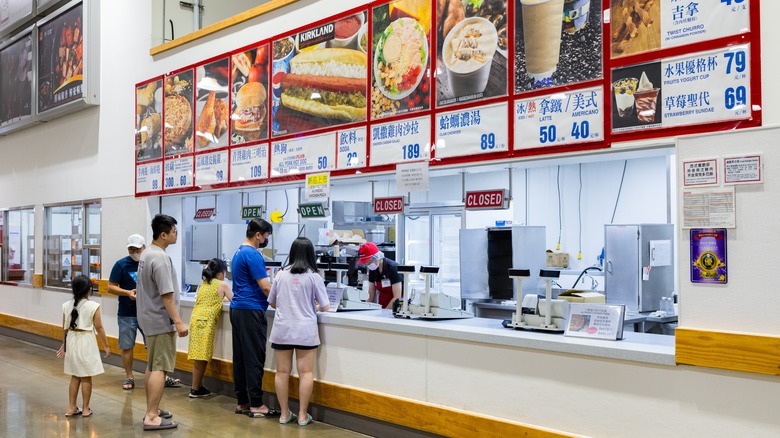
point(128, 330)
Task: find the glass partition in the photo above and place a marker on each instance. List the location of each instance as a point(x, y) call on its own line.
point(72, 243)
point(18, 241)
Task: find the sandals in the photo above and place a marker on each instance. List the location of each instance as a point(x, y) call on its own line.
point(306, 421)
point(289, 419)
point(73, 414)
point(129, 383)
point(270, 413)
point(241, 410)
point(164, 424)
point(87, 414)
point(170, 382)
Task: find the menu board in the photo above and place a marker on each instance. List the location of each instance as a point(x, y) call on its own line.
point(399, 56)
point(14, 12)
point(249, 163)
point(148, 120)
point(645, 25)
point(178, 173)
point(563, 118)
point(471, 50)
point(471, 132)
point(691, 89)
point(249, 88)
point(557, 43)
point(211, 105)
point(351, 144)
point(148, 177)
point(16, 81)
point(60, 59)
point(400, 142)
point(211, 168)
point(303, 155)
point(319, 77)
point(179, 113)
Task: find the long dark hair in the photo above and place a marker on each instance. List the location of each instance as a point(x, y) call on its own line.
point(81, 286)
point(302, 256)
point(211, 270)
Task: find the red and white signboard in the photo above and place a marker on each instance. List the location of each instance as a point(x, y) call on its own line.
point(390, 205)
point(487, 200)
point(204, 214)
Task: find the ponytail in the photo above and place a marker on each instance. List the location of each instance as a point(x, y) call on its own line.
point(211, 270)
point(81, 286)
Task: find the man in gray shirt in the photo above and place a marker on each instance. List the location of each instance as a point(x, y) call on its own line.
point(158, 316)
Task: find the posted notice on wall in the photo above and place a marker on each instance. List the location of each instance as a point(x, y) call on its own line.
point(148, 177)
point(318, 186)
point(709, 208)
point(700, 172)
point(595, 321)
point(471, 131)
point(743, 170)
point(400, 142)
point(303, 155)
point(352, 147)
point(211, 168)
point(562, 118)
point(178, 173)
point(412, 177)
point(249, 163)
point(708, 256)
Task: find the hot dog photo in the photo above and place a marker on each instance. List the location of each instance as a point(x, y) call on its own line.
point(319, 77)
point(249, 79)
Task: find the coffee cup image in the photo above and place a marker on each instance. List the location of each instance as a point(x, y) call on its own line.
point(468, 55)
point(542, 30)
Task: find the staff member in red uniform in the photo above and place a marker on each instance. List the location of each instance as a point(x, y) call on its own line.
point(383, 275)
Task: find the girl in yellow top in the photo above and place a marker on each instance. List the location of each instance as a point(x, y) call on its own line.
point(203, 322)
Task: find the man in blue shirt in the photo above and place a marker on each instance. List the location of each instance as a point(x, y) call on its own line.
point(247, 316)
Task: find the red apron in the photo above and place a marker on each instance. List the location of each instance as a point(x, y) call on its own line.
point(385, 293)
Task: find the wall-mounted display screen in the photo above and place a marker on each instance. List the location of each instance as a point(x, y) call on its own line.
point(61, 60)
point(16, 81)
point(13, 13)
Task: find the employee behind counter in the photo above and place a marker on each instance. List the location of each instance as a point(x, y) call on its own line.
point(383, 275)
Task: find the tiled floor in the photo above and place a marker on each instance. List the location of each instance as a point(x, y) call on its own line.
point(34, 398)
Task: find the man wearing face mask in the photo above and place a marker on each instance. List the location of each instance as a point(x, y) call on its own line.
point(122, 283)
point(251, 287)
point(383, 275)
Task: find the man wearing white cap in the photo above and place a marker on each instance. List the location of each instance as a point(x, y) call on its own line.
point(122, 283)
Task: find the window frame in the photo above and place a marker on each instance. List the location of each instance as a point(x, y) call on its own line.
point(88, 266)
point(5, 248)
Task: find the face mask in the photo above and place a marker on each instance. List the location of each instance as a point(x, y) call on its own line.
point(264, 244)
point(135, 256)
point(373, 266)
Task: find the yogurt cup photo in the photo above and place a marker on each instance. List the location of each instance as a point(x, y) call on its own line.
point(468, 55)
point(624, 90)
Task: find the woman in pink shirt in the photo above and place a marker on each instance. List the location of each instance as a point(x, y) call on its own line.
point(296, 294)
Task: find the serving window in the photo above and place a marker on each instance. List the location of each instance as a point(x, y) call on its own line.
point(72, 243)
point(17, 245)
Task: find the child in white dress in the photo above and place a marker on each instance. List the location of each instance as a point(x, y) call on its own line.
point(80, 320)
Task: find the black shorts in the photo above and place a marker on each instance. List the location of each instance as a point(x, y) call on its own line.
point(292, 347)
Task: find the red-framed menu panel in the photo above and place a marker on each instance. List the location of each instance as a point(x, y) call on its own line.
point(403, 80)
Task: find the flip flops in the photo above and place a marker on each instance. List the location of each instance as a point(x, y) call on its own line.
point(270, 413)
point(87, 414)
point(306, 421)
point(170, 382)
point(128, 384)
point(243, 411)
point(164, 414)
point(164, 424)
point(73, 414)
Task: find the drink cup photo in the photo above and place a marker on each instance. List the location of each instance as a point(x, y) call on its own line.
point(575, 15)
point(468, 55)
point(542, 29)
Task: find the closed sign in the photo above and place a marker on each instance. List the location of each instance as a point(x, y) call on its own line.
point(487, 200)
point(389, 205)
